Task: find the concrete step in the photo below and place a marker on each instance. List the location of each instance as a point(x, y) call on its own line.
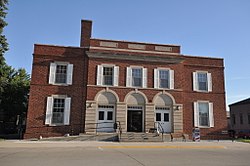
point(140, 137)
point(86, 137)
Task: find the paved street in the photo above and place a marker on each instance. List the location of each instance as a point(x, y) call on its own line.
point(28, 153)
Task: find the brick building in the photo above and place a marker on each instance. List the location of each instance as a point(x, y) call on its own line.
point(240, 117)
point(137, 84)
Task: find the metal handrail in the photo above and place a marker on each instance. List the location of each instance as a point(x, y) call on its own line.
point(97, 127)
point(159, 126)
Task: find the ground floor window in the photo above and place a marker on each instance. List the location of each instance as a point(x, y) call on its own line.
point(58, 110)
point(203, 114)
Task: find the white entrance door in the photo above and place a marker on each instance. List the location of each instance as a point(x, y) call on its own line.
point(163, 119)
point(105, 118)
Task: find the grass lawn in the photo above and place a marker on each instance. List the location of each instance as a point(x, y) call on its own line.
point(244, 140)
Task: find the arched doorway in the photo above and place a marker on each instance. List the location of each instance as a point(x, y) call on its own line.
point(105, 116)
point(135, 112)
point(164, 112)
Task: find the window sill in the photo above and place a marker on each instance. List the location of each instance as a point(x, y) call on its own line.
point(204, 127)
point(202, 91)
point(56, 125)
point(60, 84)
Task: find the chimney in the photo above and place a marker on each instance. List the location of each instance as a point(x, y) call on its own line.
point(86, 28)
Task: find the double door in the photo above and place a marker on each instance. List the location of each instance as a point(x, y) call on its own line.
point(105, 119)
point(135, 119)
point(163, 119)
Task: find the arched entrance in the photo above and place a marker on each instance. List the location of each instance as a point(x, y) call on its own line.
point(105, 116)
point(164, 112)
point(135, 112)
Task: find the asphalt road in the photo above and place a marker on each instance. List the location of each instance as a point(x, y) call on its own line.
point(28, 153)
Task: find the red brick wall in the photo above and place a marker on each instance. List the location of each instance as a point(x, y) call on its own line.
point(40, 90)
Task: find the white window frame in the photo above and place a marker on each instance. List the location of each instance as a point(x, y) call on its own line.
point(99, 75)
point(129, 79)
point(210, 114)
point(49, 110)
point(52, 73)
point(157, 78)
point(196, 83)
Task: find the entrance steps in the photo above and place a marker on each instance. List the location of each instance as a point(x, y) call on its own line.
point(140, 137)
point(124, 137)
point(152, 137)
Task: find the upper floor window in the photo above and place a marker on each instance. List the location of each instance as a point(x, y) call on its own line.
point(202, 81)
point(107, 75)
point(136, 77)
point(203, 114)
point(164, 78)
point(58, 110)
point(61, 73)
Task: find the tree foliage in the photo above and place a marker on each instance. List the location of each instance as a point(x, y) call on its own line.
point(3, 23)
point(14, 92)
point(14, 83)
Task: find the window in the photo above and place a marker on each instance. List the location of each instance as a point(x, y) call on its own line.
point(241, 118)
point(101, 115)
point(61, 73)
point(136, 77)
point(203, 114)
point(110, 115)
point(58, 110)
point(158, 117)
point(164, 78)
point(202, 81)
point(166, 117)
point(107, 75)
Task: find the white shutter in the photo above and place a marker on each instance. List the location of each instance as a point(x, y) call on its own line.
point(129, 77)
point(195, 84)
point(116, 75)
point(145, 79)
point(99, 75)
point(211, 115)
point(67, 111)
point(209, 79)
point(171, 81)
point(49, 110)
point(69, 74)
point(156, 78)
point(196, 114)
point(52, 73)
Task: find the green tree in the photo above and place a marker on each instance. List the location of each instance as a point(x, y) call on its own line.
point(14, 84)
point(3, 23)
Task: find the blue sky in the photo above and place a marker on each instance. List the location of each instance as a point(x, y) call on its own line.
point(216, 28)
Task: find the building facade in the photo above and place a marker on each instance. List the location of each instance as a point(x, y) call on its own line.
point(240, 117)
point(136, 84)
